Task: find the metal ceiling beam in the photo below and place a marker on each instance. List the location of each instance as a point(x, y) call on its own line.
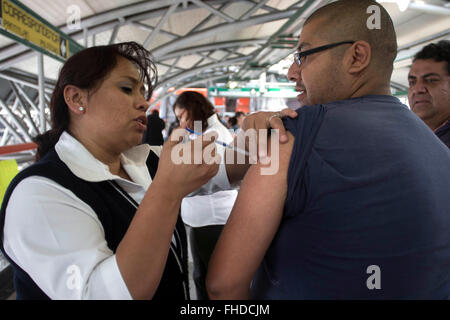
point(429, 8)
point(195, 71)
point(398, 86)
point(214, 46)
point(5, 137)
point(218, 13)
point(213, 31)
point(25, 80)
point(173, 65)
point(17, 53)
point(209, 17)
point(253, 10)
point(124, 11)
point(267, 8)
point(28, 99)
point(423, 40)
point(16, 120)
point(146, 27)
point(297, 14)
point(208, 56)
point(13, 131)
point(228, 54)
point(199, 62)
point(24, 106)
point(101, 22)
point(113, 34)
point(161, 22)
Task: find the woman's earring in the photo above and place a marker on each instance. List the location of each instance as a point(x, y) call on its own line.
point(81, 109)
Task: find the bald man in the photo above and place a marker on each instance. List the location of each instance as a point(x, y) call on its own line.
point(364, 212)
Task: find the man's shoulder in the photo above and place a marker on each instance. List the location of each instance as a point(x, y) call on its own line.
point(306, 115)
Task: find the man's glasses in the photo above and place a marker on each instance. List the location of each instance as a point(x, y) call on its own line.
point(298, 56)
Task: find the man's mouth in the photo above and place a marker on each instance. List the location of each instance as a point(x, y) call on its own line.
point(302, 93)
point(419, 102)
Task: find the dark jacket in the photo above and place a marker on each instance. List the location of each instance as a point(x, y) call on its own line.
point(115, 213)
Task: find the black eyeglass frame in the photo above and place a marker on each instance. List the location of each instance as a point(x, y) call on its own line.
point(299, 55)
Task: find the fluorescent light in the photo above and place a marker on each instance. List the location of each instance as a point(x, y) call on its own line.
point(232, 84)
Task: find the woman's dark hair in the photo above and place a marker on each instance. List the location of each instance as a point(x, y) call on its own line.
point(86, 70)
point(239, 114)
point(198, 107)
point(232, 121)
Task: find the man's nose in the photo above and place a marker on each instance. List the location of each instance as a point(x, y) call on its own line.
point(420, 87)
point(294, 72)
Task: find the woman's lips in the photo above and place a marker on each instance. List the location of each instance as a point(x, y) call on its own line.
point(141, 124)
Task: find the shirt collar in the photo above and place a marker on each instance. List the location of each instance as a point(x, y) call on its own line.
point(443, 127)
point(213, 120)
point(85, 166)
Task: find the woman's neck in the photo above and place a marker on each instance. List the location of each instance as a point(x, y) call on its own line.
point(111, 158)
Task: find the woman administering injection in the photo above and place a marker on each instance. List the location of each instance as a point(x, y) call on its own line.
point(204, 215)
point(90, 220)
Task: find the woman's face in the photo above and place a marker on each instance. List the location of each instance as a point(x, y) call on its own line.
point(115, 112)
point(182, 116)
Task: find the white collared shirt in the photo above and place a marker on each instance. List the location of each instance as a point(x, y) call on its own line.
point(211, 209)
point(59, 240)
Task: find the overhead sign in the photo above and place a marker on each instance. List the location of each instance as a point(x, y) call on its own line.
point(23, 25)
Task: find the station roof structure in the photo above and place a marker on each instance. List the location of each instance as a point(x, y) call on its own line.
point(195, 43)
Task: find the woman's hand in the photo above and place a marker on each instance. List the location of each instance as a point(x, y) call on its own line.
point(185, 167)
point(267, 120)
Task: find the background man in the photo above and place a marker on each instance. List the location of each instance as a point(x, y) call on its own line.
point(429, 88)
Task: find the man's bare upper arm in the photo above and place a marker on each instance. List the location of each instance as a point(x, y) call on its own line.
point(253, 222)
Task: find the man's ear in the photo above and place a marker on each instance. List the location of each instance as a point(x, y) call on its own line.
point(358, 56)
point(75, 98)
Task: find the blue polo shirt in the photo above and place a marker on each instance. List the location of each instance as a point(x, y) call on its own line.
point(367, 214)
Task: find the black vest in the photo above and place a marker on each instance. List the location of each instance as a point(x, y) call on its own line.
point(115, 210)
